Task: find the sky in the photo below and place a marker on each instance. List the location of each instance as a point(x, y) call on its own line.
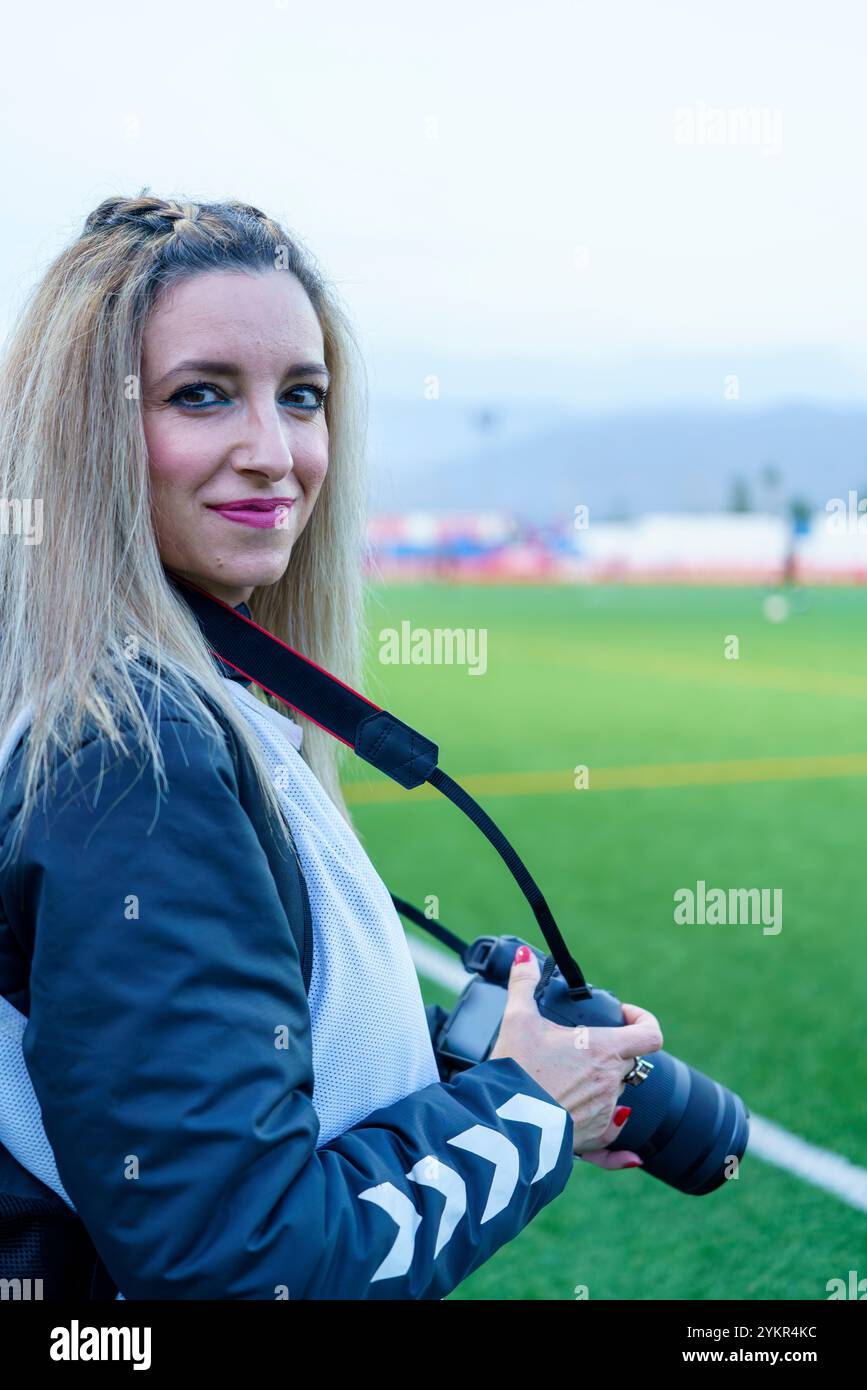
point(598, 203)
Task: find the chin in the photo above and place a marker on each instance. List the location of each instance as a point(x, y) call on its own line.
point(250, 573)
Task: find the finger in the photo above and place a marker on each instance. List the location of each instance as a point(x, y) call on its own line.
point(619, 1122)
point(612, 1159)
point(634, 1012)
point(523, 979)
point(640, 1034)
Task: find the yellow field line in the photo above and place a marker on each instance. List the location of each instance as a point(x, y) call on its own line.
point(737, 673)
point(605, 779)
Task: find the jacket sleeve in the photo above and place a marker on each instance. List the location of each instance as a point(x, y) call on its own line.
point(169, 1047)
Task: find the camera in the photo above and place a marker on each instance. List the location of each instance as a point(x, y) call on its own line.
point(688, 1130)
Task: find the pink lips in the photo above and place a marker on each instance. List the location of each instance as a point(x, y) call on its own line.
point(261, 513)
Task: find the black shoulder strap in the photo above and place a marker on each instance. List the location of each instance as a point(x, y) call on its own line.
point(374, 734)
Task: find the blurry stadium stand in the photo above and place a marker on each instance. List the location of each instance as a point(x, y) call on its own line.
point(700, 548)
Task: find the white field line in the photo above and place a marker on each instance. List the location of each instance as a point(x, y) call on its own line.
point(445, 970)
point(820, 1167)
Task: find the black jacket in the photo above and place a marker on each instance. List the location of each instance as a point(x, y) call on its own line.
point(154, 955)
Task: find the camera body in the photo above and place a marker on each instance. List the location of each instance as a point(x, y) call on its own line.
point(688, 1130)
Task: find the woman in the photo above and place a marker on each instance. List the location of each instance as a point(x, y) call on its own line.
point(230, 1056)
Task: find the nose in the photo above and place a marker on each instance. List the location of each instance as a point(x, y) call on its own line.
point(263, 445)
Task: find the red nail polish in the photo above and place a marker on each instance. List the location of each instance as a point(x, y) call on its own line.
point(633, 1165)
point(522, 954)
point(621, 1114)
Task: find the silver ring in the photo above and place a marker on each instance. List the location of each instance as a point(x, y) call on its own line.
point(639, 1072)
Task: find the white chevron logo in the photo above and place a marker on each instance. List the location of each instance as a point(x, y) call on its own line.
point(402, 1211)
point(429, 1171)
point(551, 1119)
point(432, 1173)
point(491, 1144)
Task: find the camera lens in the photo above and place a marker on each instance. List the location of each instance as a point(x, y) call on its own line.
point(687, 1129)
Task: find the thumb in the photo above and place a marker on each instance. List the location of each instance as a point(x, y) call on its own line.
point(523, 978)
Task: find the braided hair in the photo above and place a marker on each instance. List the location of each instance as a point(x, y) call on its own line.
point(178, 230)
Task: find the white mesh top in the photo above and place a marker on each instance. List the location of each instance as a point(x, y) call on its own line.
point(371, 1044)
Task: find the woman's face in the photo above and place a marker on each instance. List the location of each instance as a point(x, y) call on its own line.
point(233, 377)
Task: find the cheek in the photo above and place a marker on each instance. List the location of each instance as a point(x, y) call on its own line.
point(315, 464)
point(175, 461)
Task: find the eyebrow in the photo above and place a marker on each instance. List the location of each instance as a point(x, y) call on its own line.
point(231, 369)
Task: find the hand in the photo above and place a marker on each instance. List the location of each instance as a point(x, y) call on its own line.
point(586, 1081)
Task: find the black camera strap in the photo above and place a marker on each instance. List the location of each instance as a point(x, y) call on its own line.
point(375, 735)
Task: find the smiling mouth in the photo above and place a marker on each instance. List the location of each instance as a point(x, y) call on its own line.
point(261, 513)
point(253, 504)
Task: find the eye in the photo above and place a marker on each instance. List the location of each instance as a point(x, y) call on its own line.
point(318, 393)
point(195, 387)
point(201, 388)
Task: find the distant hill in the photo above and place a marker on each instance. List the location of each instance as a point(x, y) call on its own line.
point(439, 456)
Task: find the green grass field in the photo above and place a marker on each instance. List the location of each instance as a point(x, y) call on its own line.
point(636, 678)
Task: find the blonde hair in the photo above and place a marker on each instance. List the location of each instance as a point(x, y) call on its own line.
point(74, 606)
